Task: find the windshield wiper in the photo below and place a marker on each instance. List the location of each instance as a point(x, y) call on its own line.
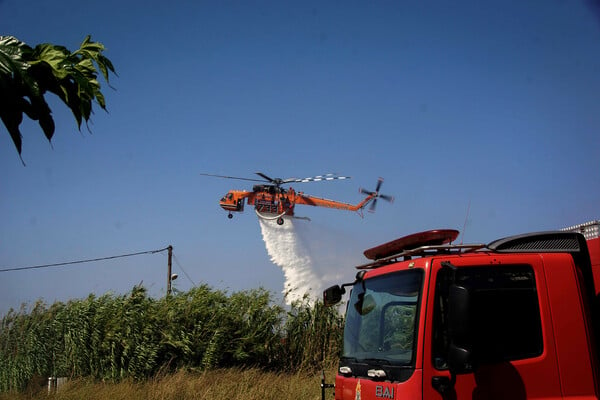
point(355, 360)
point(381, 361)
point(374, 362)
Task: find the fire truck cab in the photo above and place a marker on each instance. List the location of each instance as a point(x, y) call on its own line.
point(514, 319)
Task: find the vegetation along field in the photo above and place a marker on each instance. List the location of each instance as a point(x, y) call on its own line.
point(203, 343)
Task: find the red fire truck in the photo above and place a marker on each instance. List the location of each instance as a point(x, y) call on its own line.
point(517, 318)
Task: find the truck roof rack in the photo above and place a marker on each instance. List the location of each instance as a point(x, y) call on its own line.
point(433, 237)
point(546, 242)
point(417, 244)
point(422, 251)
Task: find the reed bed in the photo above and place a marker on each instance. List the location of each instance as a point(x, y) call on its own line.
point(171, 347)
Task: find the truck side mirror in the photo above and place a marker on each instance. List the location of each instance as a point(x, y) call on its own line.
point(459, 330)
point(459, 304)
point(459, 360)
point(333, 295)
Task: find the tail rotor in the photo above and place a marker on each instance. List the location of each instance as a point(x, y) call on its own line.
point(376, 195)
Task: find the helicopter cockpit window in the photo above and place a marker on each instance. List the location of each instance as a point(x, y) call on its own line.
point(228, 196)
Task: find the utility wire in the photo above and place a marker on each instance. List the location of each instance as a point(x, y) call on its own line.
point(185, 273)
point(82, 261)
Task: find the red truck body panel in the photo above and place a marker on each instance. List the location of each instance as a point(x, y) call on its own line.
point(567, 367)
point(356, 388)
point(573, 336)
point(536, 377)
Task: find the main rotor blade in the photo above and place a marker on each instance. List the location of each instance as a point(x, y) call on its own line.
point(326, 177)
point(267, 177)
point(233, 177)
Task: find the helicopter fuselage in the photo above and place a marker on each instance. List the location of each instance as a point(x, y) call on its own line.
point(272, 202)
point(266, 199)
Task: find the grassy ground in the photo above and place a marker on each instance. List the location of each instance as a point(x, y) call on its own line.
point(227, 384)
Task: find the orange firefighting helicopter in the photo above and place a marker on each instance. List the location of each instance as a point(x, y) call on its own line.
point(272, 202)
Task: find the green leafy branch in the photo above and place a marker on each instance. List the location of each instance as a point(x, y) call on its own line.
point(27, 74)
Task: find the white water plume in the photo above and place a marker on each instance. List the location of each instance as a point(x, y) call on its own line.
point(288, 253)
point(311, 258)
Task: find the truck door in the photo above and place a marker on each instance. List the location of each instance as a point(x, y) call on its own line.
point(511, 331)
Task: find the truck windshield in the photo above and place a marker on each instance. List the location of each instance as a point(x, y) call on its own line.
point(380, 320)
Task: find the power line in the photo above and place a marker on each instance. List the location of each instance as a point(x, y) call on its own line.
point(183, 270)
point(83, 261)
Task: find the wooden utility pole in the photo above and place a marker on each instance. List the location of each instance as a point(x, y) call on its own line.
point(170, 248)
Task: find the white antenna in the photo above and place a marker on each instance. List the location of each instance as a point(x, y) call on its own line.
point(462, 236)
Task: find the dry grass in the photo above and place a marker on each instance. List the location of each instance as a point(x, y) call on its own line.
point(248, 384)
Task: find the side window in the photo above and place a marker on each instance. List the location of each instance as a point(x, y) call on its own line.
point(505, 313)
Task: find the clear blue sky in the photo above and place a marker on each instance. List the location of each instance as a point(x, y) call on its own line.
point(492, 104)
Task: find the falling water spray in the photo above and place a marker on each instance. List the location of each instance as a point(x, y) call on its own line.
point(289, 253)
point(310, 256)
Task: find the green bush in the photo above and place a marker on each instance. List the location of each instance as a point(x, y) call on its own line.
point(135, 336)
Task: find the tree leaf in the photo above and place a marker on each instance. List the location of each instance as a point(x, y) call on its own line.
point(26, 74)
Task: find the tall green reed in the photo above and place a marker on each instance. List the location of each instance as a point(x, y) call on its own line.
point(136, 336)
